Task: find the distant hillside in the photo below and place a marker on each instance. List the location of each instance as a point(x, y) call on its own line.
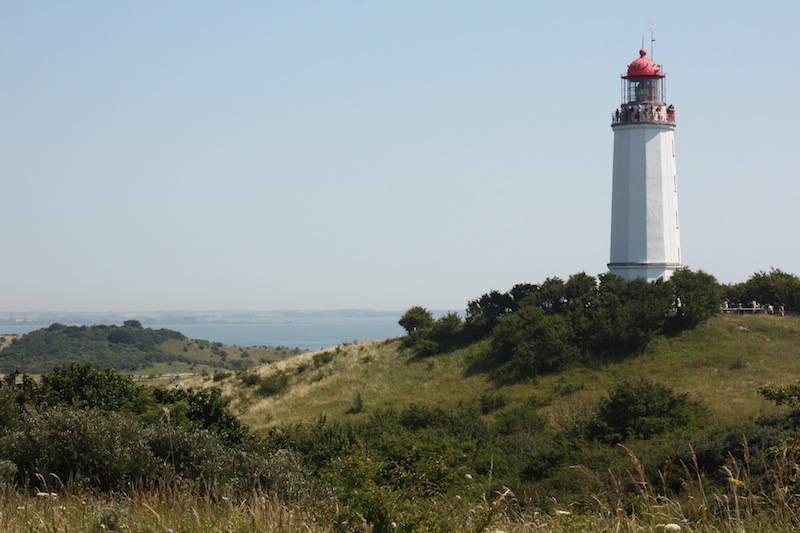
point(129, 347)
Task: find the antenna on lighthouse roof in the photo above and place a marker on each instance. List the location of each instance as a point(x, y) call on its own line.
point(652, 38)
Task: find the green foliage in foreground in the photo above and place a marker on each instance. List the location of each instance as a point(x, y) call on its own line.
point(101, 430)
point(419, 468)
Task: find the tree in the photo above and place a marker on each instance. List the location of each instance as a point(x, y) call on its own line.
point(699, 295)
point(550, 295)
point(441, 335)
point(532, 341)
point(416, 318)
point(484, 313)
point(774, 287)
point(627, 315)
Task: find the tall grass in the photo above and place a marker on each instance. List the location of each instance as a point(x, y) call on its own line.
point(152, 511)
point(632, 505)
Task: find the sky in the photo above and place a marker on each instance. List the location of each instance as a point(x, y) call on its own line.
point(302, 154)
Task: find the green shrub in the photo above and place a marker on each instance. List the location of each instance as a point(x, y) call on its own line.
point(641, 410)
point(322, 358)
point(491, 402)
point(531, 342)
point(274, 384)
point(221, 376)
point(86, 446)
point(358, 404)
point(90, 387)
point(203, 409)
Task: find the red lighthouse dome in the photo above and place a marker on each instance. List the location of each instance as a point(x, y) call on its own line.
point(644, 67)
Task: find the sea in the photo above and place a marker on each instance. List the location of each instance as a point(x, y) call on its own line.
point(307, 330)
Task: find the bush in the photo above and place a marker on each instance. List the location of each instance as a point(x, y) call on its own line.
point(322, 358)
point(642, 410)
point(416, 318)
point(89, 447)
point(532, 342)
point(492, 402)
point(700, 296)
point(86, 386)
point(203, 409)
point(274, 384)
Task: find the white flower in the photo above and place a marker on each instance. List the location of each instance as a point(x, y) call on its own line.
point(670, 527)
point(469, 476)
point(563, 513)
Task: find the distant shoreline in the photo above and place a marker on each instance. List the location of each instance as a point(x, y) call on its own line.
point(309, 330)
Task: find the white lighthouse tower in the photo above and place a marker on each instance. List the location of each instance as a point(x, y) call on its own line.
point(645, 241)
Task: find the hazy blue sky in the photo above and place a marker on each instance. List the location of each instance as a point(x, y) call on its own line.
point(337, 154)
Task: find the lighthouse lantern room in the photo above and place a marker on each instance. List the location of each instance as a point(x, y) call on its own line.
point(645, 240)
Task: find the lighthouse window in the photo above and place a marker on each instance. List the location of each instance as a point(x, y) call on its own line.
point(647, 90)
point(644, 91)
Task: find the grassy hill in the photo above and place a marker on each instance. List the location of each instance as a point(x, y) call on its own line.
point(365, 412)
point(129, 348)
point(722, 362)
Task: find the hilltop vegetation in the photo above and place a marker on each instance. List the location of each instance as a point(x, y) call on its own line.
point(584, 404)
point(129, 347)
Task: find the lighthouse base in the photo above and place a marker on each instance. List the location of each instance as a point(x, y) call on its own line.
point(648, 271)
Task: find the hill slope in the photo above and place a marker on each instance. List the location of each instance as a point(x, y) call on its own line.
point(722, 362)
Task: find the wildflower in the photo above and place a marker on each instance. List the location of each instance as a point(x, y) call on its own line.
point(672, 527)
point(563, 513)
point(170, 530)
point(469, 476)
point(735, 481)
point(458, 497)
point(394, 525)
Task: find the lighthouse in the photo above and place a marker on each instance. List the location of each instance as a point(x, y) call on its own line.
point(645, 238)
